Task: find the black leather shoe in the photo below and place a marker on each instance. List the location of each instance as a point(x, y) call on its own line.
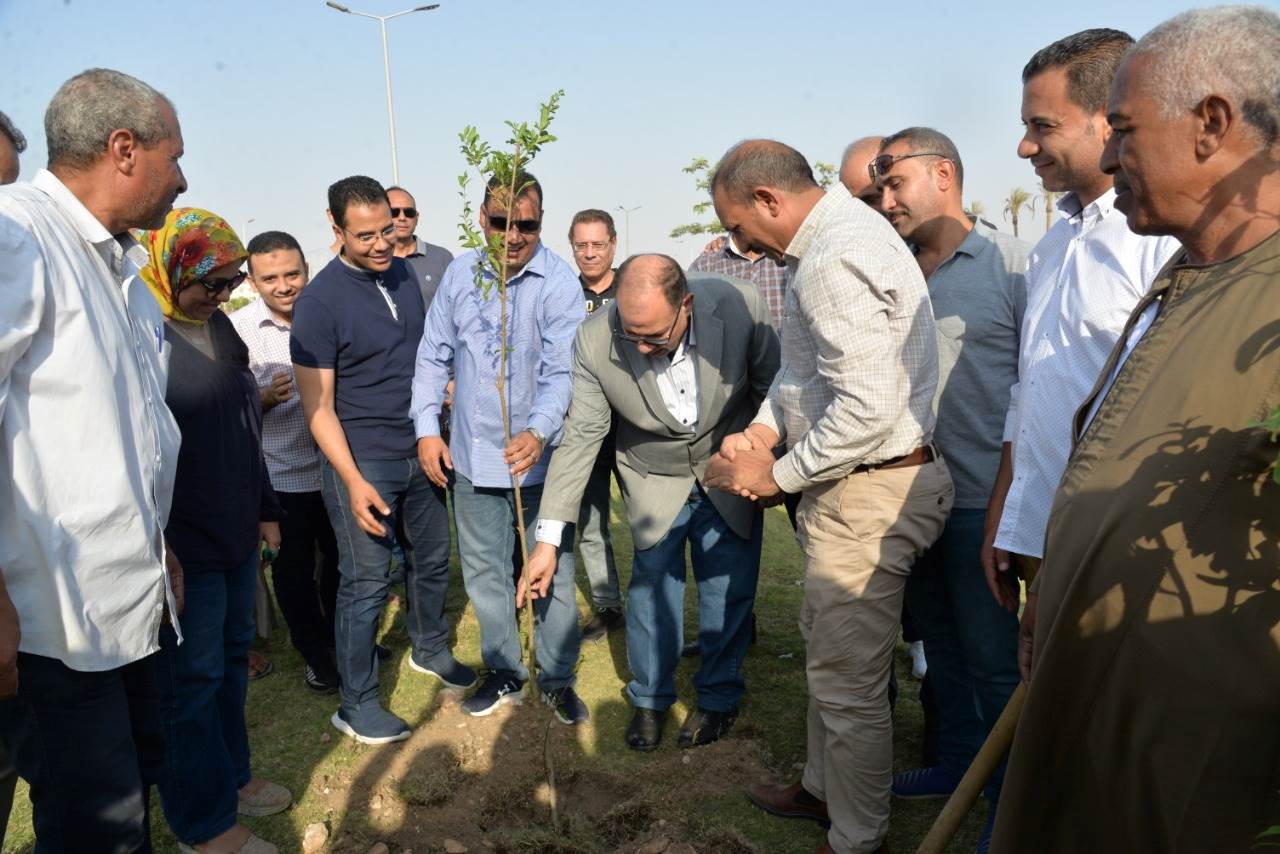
point(703, 727)
point(690, 650)
point(646, 730)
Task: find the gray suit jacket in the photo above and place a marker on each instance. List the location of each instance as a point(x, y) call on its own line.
point(658, 457)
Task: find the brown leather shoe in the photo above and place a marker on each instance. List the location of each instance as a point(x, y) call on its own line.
point(781, 801)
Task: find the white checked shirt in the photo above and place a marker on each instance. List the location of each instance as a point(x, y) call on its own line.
point(88, 449)
point(293, 460)
point(859, 350)
point(1083, 279)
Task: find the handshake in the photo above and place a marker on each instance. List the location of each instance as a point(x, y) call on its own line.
point(744, 466)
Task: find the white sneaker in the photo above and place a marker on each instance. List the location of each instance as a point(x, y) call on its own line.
point(919, 667)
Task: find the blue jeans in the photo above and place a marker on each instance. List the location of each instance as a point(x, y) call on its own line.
point(419, 521)
point(596, 544)
point(726, 568)
point(203, 682)
point(485, 517)
point(971, 643)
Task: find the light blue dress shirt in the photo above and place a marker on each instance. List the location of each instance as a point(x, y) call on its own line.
point(462, 334)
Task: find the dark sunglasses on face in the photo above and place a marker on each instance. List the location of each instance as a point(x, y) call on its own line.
point(880, 165)
point(524, 226)
point(411, 213)
point(217, 286)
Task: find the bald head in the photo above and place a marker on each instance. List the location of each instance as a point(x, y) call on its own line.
point(853, 168)
point(653, 298)
point(653, 272)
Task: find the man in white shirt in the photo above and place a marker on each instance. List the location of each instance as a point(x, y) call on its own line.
point(1083, 278)
point(86, 464)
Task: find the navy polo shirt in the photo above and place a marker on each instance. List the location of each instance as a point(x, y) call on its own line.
point(366, 327)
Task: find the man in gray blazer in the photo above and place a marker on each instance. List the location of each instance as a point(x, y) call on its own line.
point(681, 364)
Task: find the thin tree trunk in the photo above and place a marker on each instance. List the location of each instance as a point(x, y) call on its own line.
point(531, 644)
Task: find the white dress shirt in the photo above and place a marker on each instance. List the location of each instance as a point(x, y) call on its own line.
point(677, 377)
point(1083, 279)
point(89, 447)
point(293, 460)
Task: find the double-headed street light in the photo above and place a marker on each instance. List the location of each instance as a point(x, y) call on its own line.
point(626, 212)
point(386, 69)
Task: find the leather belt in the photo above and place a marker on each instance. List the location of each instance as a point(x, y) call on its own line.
point(918, 457)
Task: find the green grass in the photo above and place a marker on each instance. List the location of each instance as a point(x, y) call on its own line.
point(466, 778)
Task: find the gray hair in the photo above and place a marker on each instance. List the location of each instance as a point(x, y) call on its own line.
point(93, 104)
point(1231, 51)
point(9, 129)
point(756, 163)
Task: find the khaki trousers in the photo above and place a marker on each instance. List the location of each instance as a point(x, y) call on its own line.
point(860, 536)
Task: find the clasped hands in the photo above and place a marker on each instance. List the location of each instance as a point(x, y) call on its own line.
point(744, 466)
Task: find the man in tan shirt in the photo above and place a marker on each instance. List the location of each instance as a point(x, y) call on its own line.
point(853, 402)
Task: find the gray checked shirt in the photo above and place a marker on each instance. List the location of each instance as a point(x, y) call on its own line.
point(859, 349)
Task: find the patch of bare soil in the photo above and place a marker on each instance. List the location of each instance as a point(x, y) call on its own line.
point(464, 784)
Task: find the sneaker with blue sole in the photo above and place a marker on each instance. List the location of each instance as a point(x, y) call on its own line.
point(569, 707)
point(453, 673)
point(499, 688)
point(370, 725)
point(922, 783)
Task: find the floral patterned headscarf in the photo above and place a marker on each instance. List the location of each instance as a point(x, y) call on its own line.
point(192, 243)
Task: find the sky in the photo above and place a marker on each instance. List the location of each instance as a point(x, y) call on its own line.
point(280, 98)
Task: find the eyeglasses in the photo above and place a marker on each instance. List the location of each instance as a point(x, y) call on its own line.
point(663, 342)
point(880, 165)
point(367, 238)
point(594, 246)
point(524, 226)
point(217, 286)
point(411, 213)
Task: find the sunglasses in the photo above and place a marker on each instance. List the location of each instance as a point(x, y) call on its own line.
point(411, 213)
point(880, 165)
point(524, 226)
point(663, 342)
point(217, 286)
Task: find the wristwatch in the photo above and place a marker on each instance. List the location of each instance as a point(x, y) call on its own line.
point(537, 434)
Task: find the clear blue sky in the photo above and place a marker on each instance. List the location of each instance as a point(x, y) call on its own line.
point(279, 98)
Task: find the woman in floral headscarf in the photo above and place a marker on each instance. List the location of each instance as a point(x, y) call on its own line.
point(222, 506)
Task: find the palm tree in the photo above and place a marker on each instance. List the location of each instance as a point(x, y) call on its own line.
point(976, 209)
point(1018, 199)
point(1049, 197)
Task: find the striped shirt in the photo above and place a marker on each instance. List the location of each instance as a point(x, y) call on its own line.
point(859, 352)
point(293, 460)
point(1083, 279)
point(766, 274)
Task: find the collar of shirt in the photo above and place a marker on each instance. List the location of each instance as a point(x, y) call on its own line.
point(731, 249)
point(261, 315)
point(977, 241)
point(812, 224)
point(1086, 215)
point(419, 247)
point(537, 265)
point(111, 247)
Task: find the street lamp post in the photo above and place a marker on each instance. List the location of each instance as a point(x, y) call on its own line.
point(386, 69)
point(626, 228)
